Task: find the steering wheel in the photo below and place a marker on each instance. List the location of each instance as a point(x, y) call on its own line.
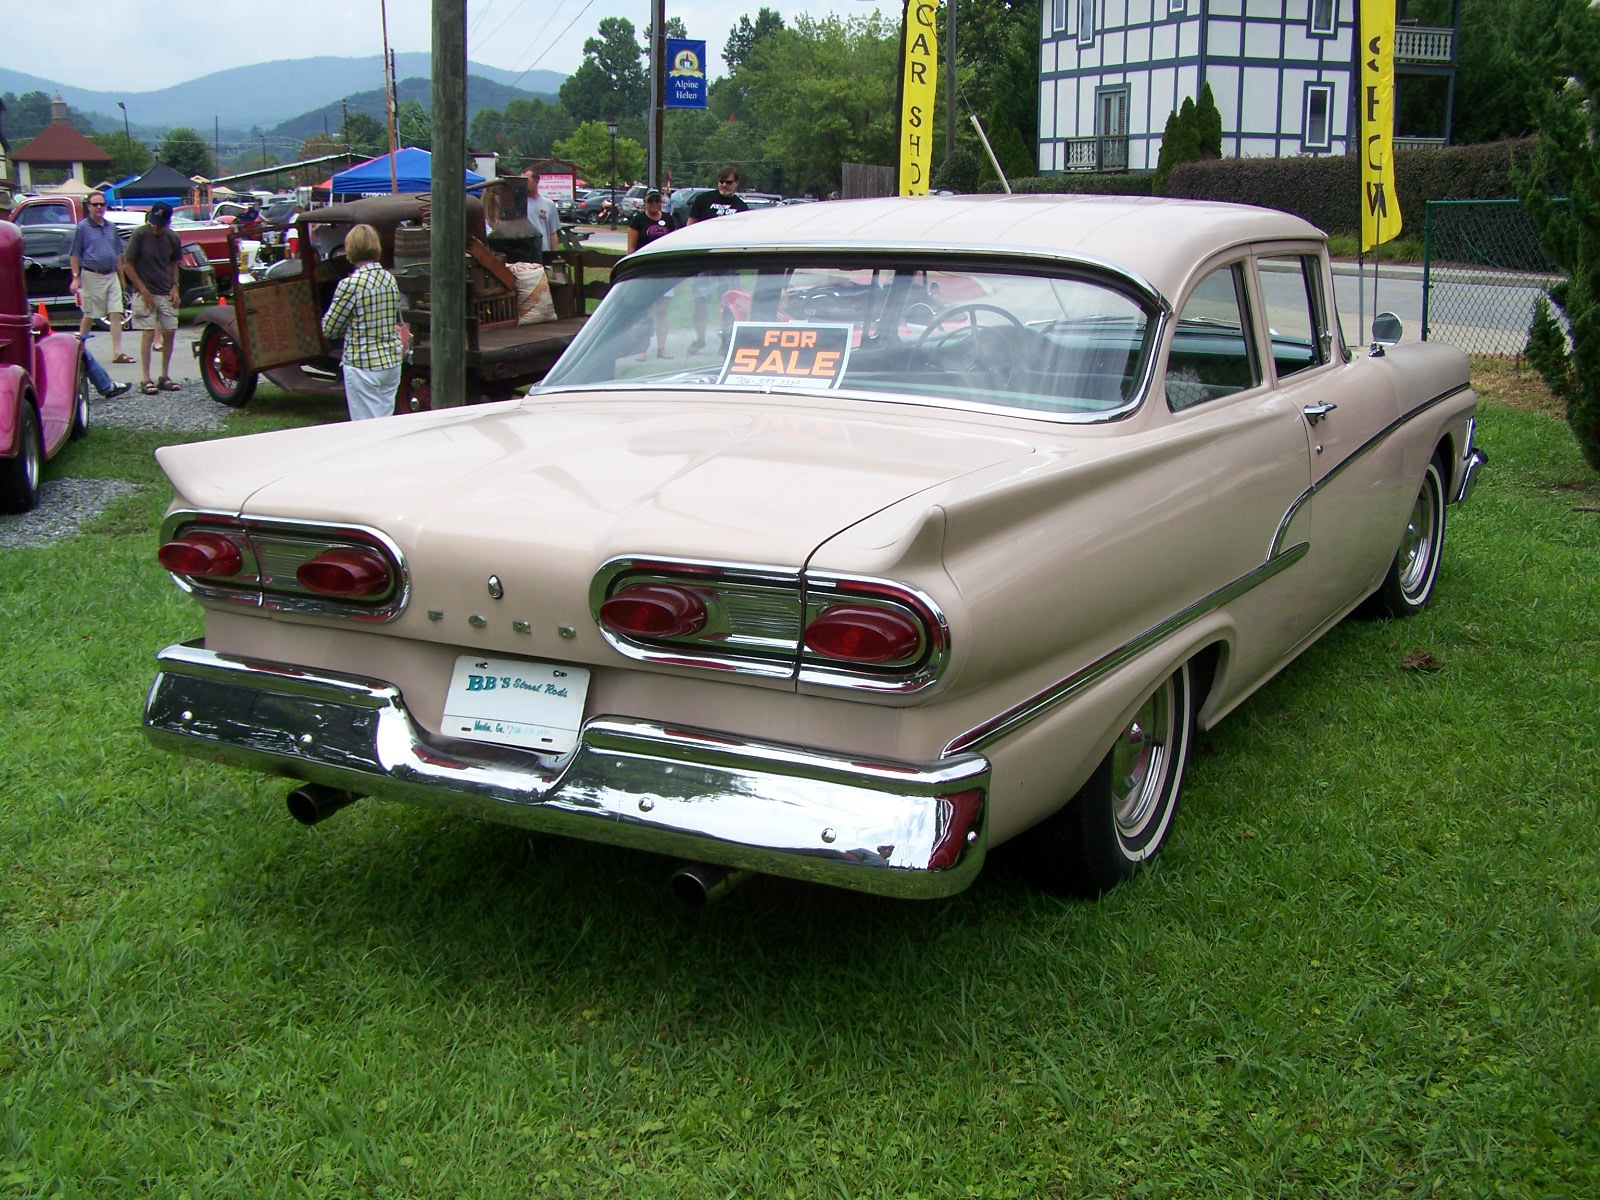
point(940, 338)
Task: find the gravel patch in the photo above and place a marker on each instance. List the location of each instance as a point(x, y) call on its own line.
point(65, 507)
point(189, 410)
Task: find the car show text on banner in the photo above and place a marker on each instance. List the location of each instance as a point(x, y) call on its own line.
point(1380, 207)
point(919, 70)
point(686, 74)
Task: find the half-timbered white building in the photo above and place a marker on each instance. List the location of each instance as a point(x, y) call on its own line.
point(1111, 71)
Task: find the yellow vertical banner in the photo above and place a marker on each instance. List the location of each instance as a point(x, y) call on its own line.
point(919, 71)
point(1380, 206)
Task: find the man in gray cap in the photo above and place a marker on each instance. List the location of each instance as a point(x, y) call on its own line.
point(151, 265)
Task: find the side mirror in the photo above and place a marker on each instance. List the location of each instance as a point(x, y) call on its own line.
point(1386, 329)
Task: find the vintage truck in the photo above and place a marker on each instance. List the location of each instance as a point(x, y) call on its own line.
point(273, 327)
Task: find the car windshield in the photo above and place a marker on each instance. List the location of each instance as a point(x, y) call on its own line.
point(1055, 343)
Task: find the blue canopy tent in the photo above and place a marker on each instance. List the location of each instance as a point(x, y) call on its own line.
point(413, 171)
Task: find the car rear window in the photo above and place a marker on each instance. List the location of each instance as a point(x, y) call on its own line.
point(1055, 344)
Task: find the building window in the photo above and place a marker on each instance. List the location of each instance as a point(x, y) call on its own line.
point(1176, 8)
point(1324, 14)
point(1318, 131)
point(1058, 16)
point(1085, 22)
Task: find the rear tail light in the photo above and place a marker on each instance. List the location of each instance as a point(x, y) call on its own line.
point(866, 634)
point(202, 555)
point(654, 610)
point(346, 572)
point(190, 259)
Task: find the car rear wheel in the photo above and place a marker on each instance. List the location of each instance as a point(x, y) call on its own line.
point(80, 404)
point(1409, 585)
point(222, 369)
point(19, 476)
point(1121, 817)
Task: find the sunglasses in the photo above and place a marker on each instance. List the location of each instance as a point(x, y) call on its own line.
point(92, 205)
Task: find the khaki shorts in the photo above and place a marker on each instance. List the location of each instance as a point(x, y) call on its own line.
point(164, 316)
point(102, 294)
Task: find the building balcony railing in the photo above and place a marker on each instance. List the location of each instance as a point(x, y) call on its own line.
point(1097, 153)
point(1419, 143)
point(1424, 44)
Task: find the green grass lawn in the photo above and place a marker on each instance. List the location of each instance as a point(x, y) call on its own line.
point(1368, 964)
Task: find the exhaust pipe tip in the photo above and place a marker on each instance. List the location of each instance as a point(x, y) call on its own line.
point(697, 886)
point(312, 802)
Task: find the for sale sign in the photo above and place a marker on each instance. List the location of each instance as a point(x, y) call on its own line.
point(787, 353)
point(557, 187)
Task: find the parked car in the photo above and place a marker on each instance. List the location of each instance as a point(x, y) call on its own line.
point(957, 542)
point(593, 207)
point(761, 199)
point(49, 268)
point(633, 200)
point(681, 199)
point(44, 398)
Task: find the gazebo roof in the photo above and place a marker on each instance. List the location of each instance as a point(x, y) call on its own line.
point(61, 144)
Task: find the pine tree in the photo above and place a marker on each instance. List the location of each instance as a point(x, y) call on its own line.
point(1208, 124)
point(1180, 143)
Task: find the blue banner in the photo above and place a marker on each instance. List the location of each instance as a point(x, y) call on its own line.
point(686, 74)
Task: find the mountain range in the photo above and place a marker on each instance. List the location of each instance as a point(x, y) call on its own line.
point(265, 94)
point(481, 93)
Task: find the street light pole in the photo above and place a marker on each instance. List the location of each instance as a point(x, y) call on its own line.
point(127, 138)
point(611, 128)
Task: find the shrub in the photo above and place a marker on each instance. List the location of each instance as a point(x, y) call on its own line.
point(959, 171)
point(1326, 189)
point(1084, 183)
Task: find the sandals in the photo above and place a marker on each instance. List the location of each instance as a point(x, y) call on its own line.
point(166, 384)
point(148, 388)
point(123, 359)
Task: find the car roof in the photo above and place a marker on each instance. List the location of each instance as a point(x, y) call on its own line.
point(1155, 240)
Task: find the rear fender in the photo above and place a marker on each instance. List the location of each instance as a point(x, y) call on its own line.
point(15, 391)
point(56, 362)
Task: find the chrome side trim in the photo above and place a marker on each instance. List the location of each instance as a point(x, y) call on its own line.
point(911, 829)
point(290, 597)
point(1471, 459)
point(1370, 444)
point(991, 731)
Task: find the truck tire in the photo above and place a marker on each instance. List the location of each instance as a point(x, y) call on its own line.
point(222, 369)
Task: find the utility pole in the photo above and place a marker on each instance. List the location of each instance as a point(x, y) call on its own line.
point(447, 246)
point(658, 91)
point(950, 78)
point(388, 89)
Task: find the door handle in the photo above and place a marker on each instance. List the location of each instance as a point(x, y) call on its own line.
point(1315, 412)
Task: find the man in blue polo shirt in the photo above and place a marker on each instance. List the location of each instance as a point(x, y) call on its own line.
point(96, 256)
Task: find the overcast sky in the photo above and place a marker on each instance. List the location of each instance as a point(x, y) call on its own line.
point(177, 40)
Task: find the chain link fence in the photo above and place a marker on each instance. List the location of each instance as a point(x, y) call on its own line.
point(1483, 271)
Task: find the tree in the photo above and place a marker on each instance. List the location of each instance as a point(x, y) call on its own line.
point(1005, 139)
point(823, 92)
point(1180, 142)
point(1564, 98)
point(590, 147)
point(611, 81)
point(413, 125)
point(747, 34)
point(185, 151)
point(1208, 124)
point(364, 135)
point(128, 155)
point(28, 114)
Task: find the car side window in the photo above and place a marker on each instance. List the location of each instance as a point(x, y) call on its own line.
point(45, 214)
point(1291, 288)
point(1213, 352)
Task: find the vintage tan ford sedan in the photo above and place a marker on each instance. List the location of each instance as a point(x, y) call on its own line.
point(960, 520)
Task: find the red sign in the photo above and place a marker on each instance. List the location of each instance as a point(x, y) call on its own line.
point(787, 353)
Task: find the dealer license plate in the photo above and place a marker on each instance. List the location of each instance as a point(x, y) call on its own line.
point(514, 702)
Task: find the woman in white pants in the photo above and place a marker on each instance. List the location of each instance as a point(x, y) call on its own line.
point(366, 313)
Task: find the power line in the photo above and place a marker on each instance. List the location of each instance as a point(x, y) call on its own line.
point(552, 45)
point(513, 13)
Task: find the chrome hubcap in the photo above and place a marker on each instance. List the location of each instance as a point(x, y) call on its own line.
point(1139, 762)
point(1416, 547)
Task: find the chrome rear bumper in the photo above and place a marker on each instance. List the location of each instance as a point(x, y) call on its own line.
point(893, 828)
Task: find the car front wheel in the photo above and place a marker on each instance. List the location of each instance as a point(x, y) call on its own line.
point(1409, 584)
point(1121, 817)
point(80, 405)
point(222, 369)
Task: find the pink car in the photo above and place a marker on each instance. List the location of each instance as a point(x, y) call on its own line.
point(44, 400)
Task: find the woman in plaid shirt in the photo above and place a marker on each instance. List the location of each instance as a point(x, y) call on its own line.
point(366, 313)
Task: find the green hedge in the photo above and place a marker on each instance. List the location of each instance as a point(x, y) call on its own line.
point(1131, 183)
point(1327, 190)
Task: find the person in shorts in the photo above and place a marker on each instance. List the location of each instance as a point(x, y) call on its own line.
point(151, 265)
point(721, 203)
point(96, 257)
